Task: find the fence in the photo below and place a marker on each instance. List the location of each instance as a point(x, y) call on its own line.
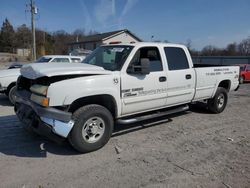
point(221, 60)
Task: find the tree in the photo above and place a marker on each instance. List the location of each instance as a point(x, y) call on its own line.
point(61, 39)
point(23, 37)
point(231, 50)
point(7, 37)
point(78, 35)
point(211, 51)
point(189, 44)
point(244, 47)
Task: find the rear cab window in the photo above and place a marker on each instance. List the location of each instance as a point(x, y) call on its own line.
point(176, 58)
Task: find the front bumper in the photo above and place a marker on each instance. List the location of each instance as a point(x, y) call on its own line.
point(50, 122)
point(2, 89)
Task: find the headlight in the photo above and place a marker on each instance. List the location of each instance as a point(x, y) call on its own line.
point(39, 93)
point(39, 89)
point(44, 101)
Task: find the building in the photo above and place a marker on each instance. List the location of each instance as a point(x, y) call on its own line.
point(23, 52)
point(92, 41)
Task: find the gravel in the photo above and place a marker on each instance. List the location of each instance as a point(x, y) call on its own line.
point(192, 149)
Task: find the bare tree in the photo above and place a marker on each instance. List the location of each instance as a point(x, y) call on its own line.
point(189, 44)
point(244, 47)
point(211, 51)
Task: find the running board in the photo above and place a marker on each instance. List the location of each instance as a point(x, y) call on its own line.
point(154, 115)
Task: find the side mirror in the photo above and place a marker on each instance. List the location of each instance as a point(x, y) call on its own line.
point(142, 68)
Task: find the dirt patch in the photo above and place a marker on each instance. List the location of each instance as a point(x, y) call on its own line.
point(193, 149)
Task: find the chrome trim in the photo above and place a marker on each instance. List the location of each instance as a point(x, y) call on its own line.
point(61, 128)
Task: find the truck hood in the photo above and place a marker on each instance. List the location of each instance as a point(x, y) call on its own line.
point(34, 71)
point(9, 72)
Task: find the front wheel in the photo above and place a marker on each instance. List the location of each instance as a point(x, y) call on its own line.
point(218, 103)
point(12, 94)
point(92, 129)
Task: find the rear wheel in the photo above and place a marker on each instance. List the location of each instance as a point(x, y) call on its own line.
point(92, 129)
point(218, 103)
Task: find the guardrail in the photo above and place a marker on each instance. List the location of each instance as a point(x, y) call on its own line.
point(221, 60)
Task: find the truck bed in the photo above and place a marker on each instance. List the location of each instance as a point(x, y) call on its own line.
point(209, 77)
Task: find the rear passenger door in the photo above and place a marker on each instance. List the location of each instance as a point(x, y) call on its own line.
point(180, 77)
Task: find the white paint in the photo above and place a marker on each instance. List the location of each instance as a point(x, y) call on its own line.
point(176, 90)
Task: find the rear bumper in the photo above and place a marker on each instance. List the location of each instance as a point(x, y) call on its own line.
point(50, 122)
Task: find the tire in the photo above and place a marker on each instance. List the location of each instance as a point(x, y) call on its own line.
point(241, 80)
point(218, 103)
point(92, 129)
point(11, 94)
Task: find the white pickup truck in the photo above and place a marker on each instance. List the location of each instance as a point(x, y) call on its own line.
point(122, 83)
point(9, 76)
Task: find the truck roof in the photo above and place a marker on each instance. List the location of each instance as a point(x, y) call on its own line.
point(144, 44)
point(62, 56)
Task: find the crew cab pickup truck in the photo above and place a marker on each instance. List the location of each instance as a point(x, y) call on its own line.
point(122, 83)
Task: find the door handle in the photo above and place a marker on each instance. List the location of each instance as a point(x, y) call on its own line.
point(188, 76)
point(162, 79)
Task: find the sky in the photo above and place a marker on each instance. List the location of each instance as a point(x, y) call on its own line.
point(204, 22)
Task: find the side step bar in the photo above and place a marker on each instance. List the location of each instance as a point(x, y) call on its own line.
point(153, 115)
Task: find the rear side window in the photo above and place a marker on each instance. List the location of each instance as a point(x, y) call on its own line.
point(248, 68)
point(176, 58)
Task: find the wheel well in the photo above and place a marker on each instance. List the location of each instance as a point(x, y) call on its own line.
point(10, 86)
point(225, 84)
point(104, 100)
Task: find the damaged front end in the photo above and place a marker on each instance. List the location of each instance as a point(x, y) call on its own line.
point(32, 109)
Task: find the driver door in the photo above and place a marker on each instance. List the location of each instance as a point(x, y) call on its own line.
point(142, 92)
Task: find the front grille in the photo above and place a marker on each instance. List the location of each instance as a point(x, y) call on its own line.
point(24, 83)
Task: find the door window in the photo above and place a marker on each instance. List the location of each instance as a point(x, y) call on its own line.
point(150, 53)
point(176, 58)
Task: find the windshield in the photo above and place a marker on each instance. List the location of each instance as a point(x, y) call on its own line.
point(109, 57)
point(43, 60)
